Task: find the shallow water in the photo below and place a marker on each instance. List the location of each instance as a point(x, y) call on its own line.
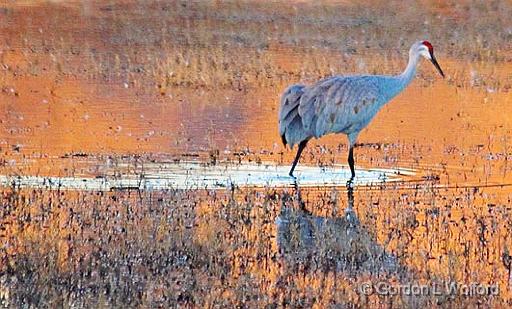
point(191, 175)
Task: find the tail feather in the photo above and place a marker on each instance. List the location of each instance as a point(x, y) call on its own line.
point(295, 132)
point(290, 122)
point(287, 119)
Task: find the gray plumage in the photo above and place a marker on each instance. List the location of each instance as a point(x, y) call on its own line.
point(334, 105)
point(342, 104)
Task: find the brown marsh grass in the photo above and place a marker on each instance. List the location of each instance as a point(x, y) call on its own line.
point(211, 248)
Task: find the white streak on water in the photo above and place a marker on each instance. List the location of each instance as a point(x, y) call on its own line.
point(193, 175)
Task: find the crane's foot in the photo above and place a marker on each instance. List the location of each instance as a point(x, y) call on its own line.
point(294, 181)
point(350, 183)
point(295, 185)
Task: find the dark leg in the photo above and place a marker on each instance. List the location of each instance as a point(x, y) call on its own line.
point(351, 161)
point(302, 145)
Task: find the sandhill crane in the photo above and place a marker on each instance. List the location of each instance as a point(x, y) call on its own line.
point(342, 104)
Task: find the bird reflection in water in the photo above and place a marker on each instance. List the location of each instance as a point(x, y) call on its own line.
point(309, 242)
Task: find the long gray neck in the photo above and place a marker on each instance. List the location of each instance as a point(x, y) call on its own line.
point(393, 85)
point(402, 80)
point(407, 75)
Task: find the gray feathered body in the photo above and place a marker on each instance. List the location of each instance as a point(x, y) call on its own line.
point(339, 104)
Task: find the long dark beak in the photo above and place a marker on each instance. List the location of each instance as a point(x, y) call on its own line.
point(434, 61)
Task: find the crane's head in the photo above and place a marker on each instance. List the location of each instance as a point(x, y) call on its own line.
point(427, 51)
